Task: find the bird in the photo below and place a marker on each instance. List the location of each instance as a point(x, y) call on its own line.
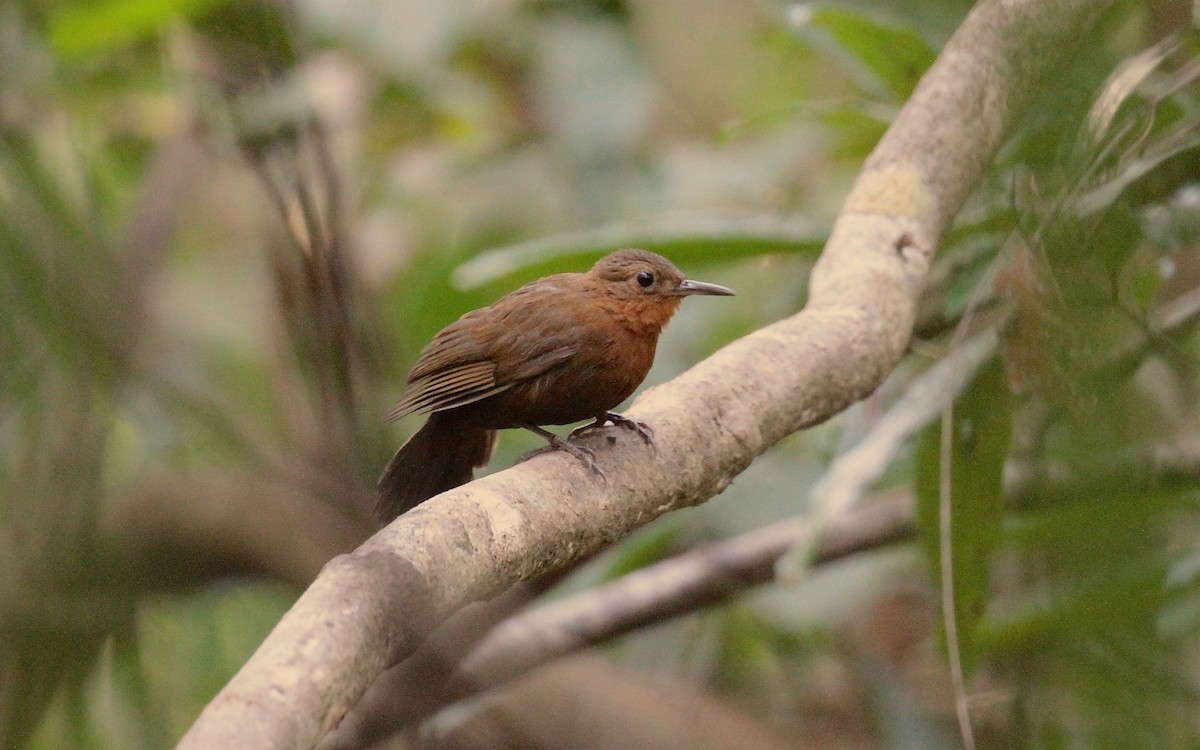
point(556, 351)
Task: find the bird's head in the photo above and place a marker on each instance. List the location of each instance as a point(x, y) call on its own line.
point(646, 288)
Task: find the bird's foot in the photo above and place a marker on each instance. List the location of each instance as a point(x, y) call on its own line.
point(641, 428)
point(554, 443)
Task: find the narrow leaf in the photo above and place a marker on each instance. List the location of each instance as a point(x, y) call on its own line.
point(979, 446)
point(686, 240)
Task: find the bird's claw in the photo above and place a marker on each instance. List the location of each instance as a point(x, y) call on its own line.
point(642, 429)
point(586, 455)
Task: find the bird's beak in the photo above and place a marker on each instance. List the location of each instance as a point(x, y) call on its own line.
point(689, 287)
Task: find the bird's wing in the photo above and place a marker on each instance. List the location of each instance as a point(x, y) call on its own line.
point(453, 369)
point(540, 327)
point(522, 336)
point(449, 387)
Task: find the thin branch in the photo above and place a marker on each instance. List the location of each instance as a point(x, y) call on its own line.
point(674, 587)
point(440, 675)
point(369, 609)
point(654, 713)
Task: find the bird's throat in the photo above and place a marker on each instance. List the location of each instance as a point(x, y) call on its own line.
point(645, 317)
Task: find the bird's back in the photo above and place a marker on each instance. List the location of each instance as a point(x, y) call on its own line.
point(552, 352)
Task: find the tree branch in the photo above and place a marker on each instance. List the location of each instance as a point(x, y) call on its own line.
point(520, 644)
point(670, 588)
point(417, 686)
point(371, 608)
point(572, 704)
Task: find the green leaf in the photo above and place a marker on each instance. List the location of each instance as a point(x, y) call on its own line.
point(56, 272)
point(895, 55)
point(686, 240)
point(82, 29)
point(979, 446)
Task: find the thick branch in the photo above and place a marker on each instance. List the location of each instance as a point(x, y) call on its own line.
point(670, 588)
point(676, 586)
point(417, 686)
point(371, 608)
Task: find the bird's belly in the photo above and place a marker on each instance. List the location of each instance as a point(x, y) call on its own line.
point(578, 393)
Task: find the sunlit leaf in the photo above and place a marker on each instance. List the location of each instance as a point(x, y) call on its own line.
point(81, 28)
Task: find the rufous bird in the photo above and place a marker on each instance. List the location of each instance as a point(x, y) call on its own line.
point(561, 349)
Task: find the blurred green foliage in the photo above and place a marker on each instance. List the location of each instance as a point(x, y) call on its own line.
point(80, 29)
point(227, 228)
point(980, 429)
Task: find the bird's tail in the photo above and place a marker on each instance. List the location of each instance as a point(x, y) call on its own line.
point(439, 457)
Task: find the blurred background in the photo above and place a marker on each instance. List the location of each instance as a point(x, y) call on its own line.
point(227, 229)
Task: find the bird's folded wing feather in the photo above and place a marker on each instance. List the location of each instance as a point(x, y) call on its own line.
point(487, 351)
point(445, 389)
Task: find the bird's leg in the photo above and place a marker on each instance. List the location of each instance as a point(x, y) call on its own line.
point(586, 455)
point(641, 428)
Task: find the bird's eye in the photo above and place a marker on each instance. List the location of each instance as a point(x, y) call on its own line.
point(644, 279)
